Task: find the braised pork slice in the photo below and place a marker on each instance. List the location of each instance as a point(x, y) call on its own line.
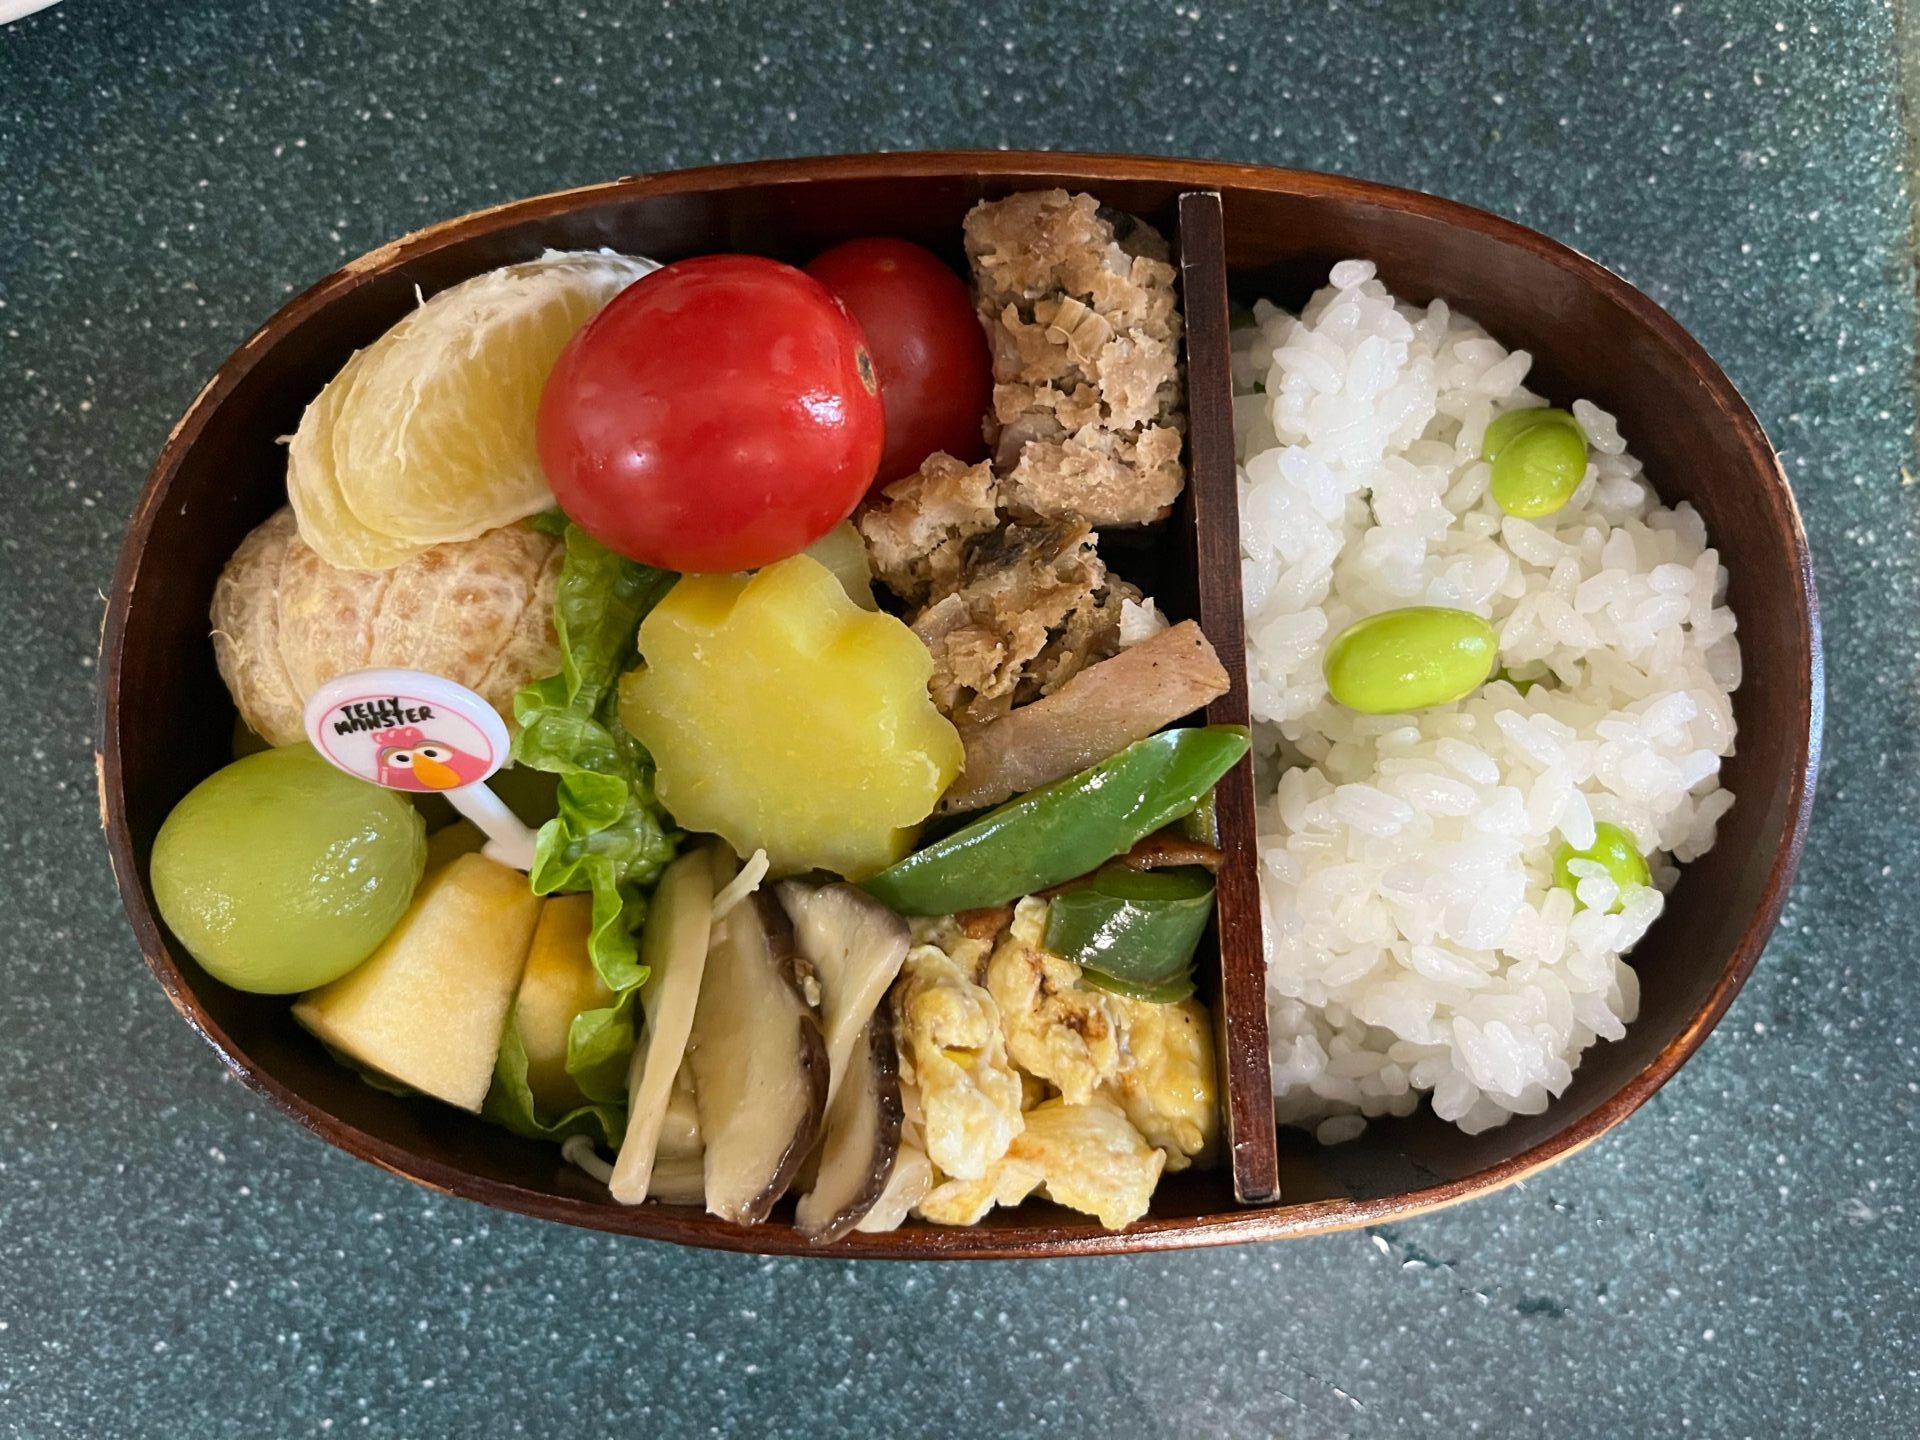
point(1099, 711)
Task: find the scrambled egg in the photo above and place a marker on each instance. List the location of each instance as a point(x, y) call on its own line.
point(1167, 1086)
point(1016, 1079)
point(1086, 1157)
point(1056, 1031)
point(1008, 1181)
point(945, 932)
point(1093, 1159)
point(953, 1054)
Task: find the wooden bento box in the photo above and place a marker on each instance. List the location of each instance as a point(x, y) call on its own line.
point(1238, 231)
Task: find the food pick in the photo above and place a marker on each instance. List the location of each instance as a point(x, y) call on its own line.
point(408, 730)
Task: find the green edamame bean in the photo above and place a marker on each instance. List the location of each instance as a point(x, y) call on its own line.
point(1503, 428)
point(1401, 660)
point(1539, 458)
point(1613, 848)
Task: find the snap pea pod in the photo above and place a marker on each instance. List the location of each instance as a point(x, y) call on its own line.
point(1134, 931)
point(1065, 829)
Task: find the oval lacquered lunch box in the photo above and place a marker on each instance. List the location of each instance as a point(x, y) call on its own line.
point(1238, 232)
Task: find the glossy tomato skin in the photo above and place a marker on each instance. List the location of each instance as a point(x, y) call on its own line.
point(928, 348)
point(720, 413)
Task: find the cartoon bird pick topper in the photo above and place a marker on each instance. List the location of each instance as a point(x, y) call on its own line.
point(409, 760)
point(408, 730)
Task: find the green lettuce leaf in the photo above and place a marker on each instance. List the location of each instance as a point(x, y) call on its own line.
point(510, 1101)
point(610, 836)
point(608, 839)
point(599, 1044)
point(598, 604)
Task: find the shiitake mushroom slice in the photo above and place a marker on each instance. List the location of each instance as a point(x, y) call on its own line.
point(862, 1138)
point(759, 1063)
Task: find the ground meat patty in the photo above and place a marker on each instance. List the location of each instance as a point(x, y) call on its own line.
point(997, 562)
point(1088, 407)
point(916, 533)
point(1021, 588)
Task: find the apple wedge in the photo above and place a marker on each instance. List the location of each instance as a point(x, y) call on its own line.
point(428, 1007)
point(558, 983)
point(673, 946)
point(450, 842)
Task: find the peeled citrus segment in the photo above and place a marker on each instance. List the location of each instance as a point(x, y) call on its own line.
point(437, 442)
point(479, 612)
point(325, 617)
point(427, 435)
point(327, 524)
point(532, 650)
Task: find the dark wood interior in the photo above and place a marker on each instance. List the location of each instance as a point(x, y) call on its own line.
point(165, 718)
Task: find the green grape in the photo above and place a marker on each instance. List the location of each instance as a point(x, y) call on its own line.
point(280, 873)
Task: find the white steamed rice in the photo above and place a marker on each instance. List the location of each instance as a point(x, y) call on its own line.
point(1416, 943)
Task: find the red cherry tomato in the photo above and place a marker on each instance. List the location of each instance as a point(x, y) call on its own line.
point(719, 414)
point(928, 348)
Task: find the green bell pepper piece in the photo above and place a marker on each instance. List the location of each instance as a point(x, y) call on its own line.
point(1202, 823)
point(1137, 928)
point(1171, 992)
point(1064, 829)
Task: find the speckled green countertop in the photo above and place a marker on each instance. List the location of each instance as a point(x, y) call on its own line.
point(178, 1261)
